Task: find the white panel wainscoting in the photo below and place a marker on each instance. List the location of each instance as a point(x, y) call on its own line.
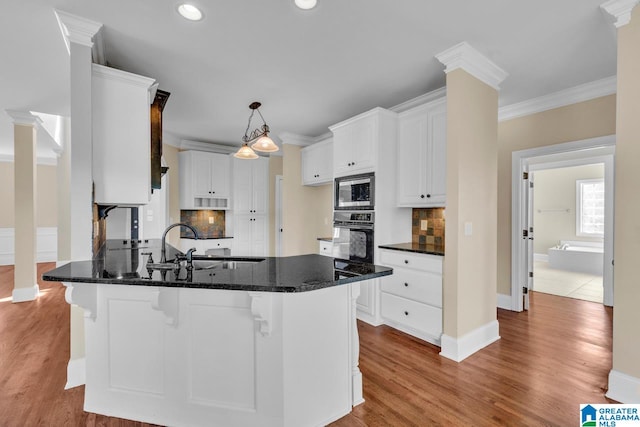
point(47, 245)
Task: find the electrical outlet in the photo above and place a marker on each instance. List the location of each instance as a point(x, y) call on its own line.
point(211, 220)
point(424, 224)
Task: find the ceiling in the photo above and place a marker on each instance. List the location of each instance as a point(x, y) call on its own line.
point(310, 69)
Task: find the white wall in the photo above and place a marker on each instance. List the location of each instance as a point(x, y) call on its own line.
point(47, 245)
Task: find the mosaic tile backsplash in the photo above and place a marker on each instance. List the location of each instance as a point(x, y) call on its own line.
point(200, 220)
point(434, 234)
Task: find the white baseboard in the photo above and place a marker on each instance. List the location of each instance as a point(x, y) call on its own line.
point(504, 302)
point(46, 245)
point(541, 257)
point(623, 388)
point(458, 349)
point(76, 373)
point(367, 318)
point(25, 294)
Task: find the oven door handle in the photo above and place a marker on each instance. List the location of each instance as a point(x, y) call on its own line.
point(362, 227)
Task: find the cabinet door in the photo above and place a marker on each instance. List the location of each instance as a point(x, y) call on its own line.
point(220, 175)
point(324, 162)
point(437, 168)
point(342, 150)
point(412, 159)
point(201, 173)
point(309, 166)
point(242, 235)
point(259, 235)
point(365, 145)
point(260, 185)
point(242, 186)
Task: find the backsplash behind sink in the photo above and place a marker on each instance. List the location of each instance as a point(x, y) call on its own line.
point(201, 221)
point(434, 234)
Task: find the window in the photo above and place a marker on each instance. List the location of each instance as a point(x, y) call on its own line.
point(590, 207)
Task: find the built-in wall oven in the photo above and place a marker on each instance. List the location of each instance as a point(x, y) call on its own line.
point(353, 235)
point(355, 192)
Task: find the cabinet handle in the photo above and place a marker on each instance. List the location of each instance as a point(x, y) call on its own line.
point(406, 313)
point(422, 196)
point(428, 196)
point(406, 285)
point(213, 192)
point(406, 261)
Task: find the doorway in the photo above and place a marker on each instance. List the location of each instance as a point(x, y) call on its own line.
point(524, 165)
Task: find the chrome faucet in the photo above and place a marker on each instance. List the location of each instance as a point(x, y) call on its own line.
point(163, 250)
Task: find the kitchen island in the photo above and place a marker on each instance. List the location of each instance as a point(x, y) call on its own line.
point(233, 342)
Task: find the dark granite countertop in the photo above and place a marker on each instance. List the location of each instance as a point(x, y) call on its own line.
point(326, 239)
point(120, 264)
point(416, 247)
point(206, 238)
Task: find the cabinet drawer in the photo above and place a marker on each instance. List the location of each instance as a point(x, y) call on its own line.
point(325, 248)
point(416, 285)
point(421, 317)
point(423, 262)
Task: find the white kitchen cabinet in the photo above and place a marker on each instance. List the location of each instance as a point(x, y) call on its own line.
point(250, 186)
point(204, 245)
point(121, 133)
point(411, 298)
point(317, 163)
point(325, 248)
point(422, 156)
point(250, 235)
point(356, 141)
point(204, 180)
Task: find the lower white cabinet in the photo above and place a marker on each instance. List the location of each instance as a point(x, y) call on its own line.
point(411, 298)
point(204, 245)
point(250, 235)
point(325, 248)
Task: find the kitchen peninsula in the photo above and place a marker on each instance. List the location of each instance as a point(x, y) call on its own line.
point(232, 342)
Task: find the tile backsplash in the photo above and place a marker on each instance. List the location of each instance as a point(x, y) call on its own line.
point(201, 220)
point(434, 233)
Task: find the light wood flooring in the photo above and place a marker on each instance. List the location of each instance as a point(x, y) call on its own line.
point(548, 361)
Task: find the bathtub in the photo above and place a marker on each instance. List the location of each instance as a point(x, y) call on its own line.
point(582, 257)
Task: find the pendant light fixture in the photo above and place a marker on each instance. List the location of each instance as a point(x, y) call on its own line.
point(258, 138)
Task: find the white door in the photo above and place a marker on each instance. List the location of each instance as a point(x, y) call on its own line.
point(528, 236)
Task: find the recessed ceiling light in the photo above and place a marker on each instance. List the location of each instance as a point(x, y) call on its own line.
point(190, 12)
point(306, 4)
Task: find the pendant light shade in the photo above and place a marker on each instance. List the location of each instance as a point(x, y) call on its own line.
point(245, 152)
point(259, 138)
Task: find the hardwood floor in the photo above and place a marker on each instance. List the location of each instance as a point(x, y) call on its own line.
point(548, 361)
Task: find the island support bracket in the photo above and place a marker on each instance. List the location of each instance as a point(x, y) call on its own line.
point(261, 308)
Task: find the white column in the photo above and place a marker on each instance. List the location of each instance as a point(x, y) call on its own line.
point(356, 375)
point(25, 125)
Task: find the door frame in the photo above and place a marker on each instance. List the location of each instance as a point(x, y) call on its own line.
point(278, 212)
point(601, 149)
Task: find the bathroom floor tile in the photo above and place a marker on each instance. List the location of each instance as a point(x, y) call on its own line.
point(567, 283)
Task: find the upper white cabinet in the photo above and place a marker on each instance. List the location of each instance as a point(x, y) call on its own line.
point(317, 163)
point(356, 141)
point(250, 186)
point(422, 155)
point(204, 180)
point(121, 132)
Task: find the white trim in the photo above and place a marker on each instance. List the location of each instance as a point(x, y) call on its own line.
point(76, 373)
point(620, 10)
point(504, 301)
point(473, 62)
point(458, 349)
point(109, 73)
point(24, 118)
point(187, 144)
point(518, 161)
point(623, 388)
point(82, 31)
point(295, 139)
point(46, 245)
point(47, 161)
point(420, 100)
point(377, 110)
point(541, 257)
point(573, 95)
point(25, 294)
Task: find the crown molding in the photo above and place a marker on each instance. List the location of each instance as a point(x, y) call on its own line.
point(584, 92)
point(375, 110)
point(469, 59)
point(420, 100)
point(187, 144)
point(295, 139)
point(24, 118)
point(82, 31)
point(115, 74)
point(620, 10)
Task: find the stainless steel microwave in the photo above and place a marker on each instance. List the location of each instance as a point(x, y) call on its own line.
point(355, 192)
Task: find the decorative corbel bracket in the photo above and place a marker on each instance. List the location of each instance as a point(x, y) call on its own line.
point(261, 308)
point(166, 301)
point(84, 295)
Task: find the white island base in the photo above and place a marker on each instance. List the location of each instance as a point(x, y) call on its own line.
point(201, 357)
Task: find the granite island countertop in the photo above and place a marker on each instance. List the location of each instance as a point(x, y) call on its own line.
point(416, 248)
point(119, 264)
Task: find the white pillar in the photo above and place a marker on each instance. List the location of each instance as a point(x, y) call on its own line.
point(25, 125)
